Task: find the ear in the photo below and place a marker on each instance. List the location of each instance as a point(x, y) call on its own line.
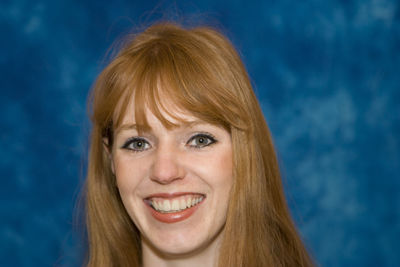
point(108, 150)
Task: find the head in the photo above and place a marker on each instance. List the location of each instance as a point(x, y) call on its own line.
point(170, 76)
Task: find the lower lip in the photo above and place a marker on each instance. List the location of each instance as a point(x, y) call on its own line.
point(174, 217)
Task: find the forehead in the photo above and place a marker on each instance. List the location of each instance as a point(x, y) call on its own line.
point(170, 105)
point(172, 115)
point(169, 114)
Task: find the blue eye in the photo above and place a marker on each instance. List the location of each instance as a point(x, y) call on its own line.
point(136, 144)
point(201, 140)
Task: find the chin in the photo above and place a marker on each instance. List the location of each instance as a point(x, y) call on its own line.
point(170, 246)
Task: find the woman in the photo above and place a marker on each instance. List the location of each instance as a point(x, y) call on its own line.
point(182, 170)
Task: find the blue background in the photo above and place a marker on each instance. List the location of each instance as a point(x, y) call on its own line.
point(326, 74)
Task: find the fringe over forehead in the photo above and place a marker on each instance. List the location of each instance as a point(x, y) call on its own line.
point(167, 69)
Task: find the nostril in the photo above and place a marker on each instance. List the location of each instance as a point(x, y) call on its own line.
point(165, 170)
point(165, 178)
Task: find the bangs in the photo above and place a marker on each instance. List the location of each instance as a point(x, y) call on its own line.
point(169, 79)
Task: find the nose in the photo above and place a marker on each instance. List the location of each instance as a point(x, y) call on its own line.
point(166, 166)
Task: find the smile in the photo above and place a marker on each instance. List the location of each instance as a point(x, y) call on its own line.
point(176, 204)
point(173, 208)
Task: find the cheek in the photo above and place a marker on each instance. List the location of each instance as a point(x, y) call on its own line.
point(128, 174)
point(217, 170)
point(223, 162)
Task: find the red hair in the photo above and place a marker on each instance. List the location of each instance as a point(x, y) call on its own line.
point(200, 72)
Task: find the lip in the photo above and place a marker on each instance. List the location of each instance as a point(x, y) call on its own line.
point(172, 217)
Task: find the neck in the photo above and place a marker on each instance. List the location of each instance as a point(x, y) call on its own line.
point(205, 257)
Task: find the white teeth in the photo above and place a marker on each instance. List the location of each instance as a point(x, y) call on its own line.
point(175, 205)
point(167, 205)
point(182, 204)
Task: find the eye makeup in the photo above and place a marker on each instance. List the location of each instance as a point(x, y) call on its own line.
point(197, 141)
point(200, 140)
point(136, 144)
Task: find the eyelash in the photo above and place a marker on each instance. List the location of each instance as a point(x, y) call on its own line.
point(132, 140)
point(210, 139)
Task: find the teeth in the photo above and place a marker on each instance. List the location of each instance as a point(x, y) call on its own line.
point(167, 205)
point(176, 204)
point(182, 204)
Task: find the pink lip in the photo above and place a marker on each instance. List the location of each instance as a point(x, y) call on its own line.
point(174, 216)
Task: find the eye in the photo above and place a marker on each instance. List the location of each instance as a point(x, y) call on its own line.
point(136, 144)
point(201, 140)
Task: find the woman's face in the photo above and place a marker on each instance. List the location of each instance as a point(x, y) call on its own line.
point(174, 183)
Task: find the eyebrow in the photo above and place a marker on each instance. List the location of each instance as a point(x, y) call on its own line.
point(126, 126)
point(134, 126)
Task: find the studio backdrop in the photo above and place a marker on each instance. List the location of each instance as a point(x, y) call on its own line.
point(325, 72)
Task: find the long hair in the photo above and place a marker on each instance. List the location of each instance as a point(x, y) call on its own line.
point(198, 71)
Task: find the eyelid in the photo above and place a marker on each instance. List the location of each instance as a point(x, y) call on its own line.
point(130, 140)
point(209, 136)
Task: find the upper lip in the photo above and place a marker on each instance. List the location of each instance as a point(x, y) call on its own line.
point(173, 195)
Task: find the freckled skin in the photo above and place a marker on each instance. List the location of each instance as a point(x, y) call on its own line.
point(172, 161)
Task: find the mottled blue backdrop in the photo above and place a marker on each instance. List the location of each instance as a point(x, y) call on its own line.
point(326, 74)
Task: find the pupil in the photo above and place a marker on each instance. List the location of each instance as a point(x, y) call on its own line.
point(201, 140)
point(139, 144)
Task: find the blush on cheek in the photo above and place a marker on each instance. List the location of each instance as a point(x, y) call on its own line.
point(224, 163)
